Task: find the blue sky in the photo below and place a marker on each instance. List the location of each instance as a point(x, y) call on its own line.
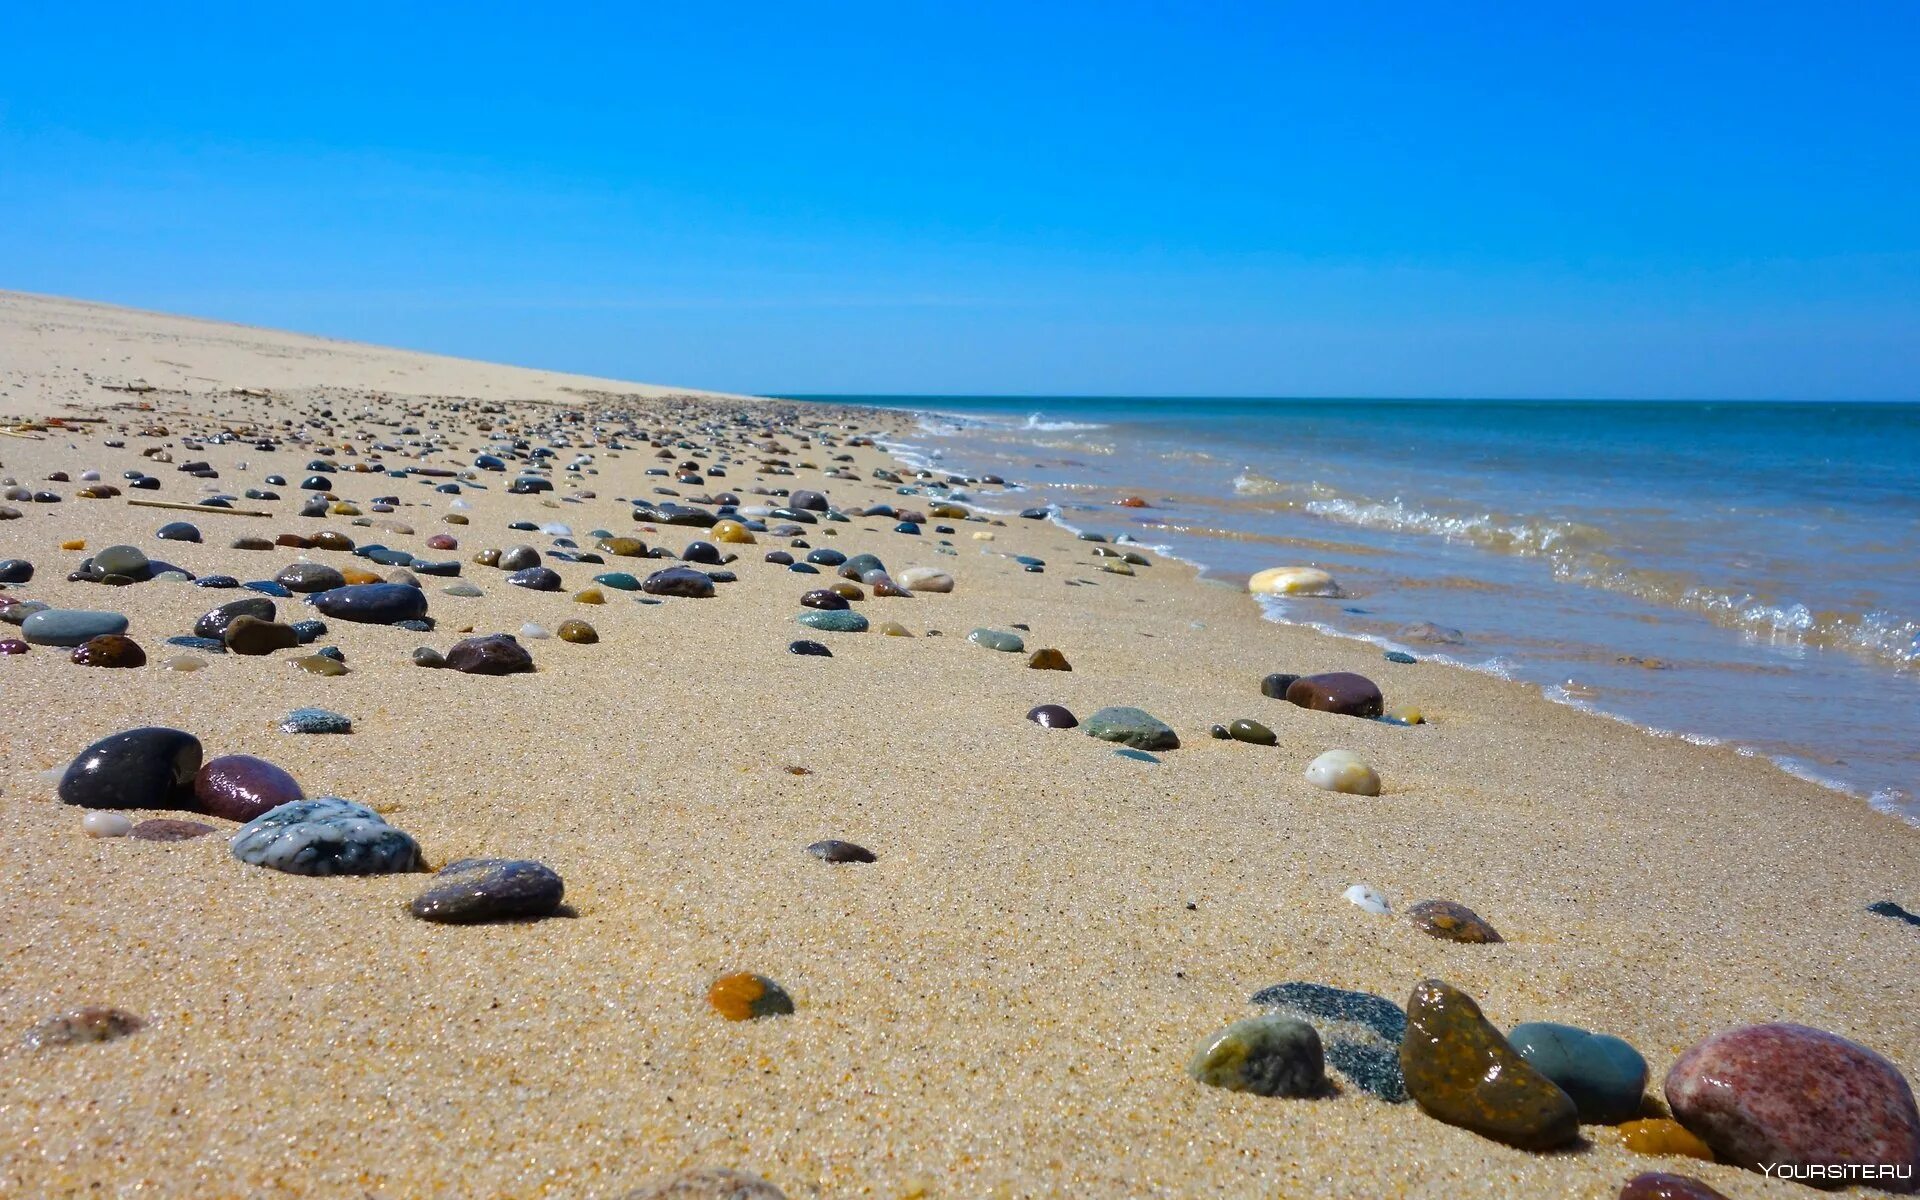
point(1388, 199)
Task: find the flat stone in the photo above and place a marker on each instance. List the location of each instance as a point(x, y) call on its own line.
point(492, 654)
point(537, 579)
point(315, 720)
point(1784, 1093)
point(926, 579)
point(320, 664)
point(165, 829)
point(1340, 692)
point(70, 626)
point(1604, 1075)
point(1451, 921)
point(1133, 727)
point(1461, 1071)
point(1360, 1032)
point(809, 648)
point(177, 531)
point(997, 639)
point(149, 767)
point(472, 890)
point(239, 787)
point(309, 577)
point(708, 1183)
point(831, 621)
point(1660, 1185)
point(1293, 581)
point(833, 850)
point(1269, 1055)
point(373, 603)
point(619, 581)
point(327, 836)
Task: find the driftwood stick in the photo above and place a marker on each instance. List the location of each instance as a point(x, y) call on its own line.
point(205, 508)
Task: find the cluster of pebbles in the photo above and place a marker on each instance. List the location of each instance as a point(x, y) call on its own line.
point(1770, 1093)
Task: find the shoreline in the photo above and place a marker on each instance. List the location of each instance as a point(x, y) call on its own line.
point(1003, 1004)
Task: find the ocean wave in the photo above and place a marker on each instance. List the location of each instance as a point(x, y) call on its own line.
point(1038, 421)
point(1251, 483)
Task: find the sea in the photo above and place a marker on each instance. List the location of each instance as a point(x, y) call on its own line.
point(1730, 573)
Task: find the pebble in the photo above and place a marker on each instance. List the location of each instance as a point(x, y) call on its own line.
point(1436, 635)
point(731, 532)
point(327, 836)
point(1368, 898)
point(493, 654)
point(130, 561)
point(177, 531)
point(106, 825)
point(12, 646)
point(1052, 716)
point(252, 636)
point(1660, 1185)
point(1451, 921)
point(619, 581)
point(322, 664)
point(538, 579)
point(1269, 1055)
point(1293, 581)
point(69, 626)
point(893, 629)
point(427, 656)
point(590, 596)
point(1784, 1093)
point(1343, 771)
point(110, 650)
point(1251, 732)
point(804, 646)
point(824, 599)
point(239, 787)
point(1461, 1071)
point(464, 590)
point(165, 829)
point(1604, 1075)
point(309, 577)
point(1049, 660)
point(926, 579)
point(149, 767)
point(213, 623)
point(1133, 727)
point(372, 603)
point(1360, 1032)
point(1340, 692)
point(996, 639)
point(15, 570)
point(315, 720)
point(473, 890)
point(188, 663)
point(1400, 656)
point(832, 621)
point(833, 850)
point(1663, 1135)
point(679, 581)
point(83, 1025)
point(578, 632)
point(1406, 714)
point(743, 996)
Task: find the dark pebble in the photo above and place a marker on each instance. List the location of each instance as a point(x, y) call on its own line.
point(803, 646)
point(239, 787)
point(165, 829)
point(474, 890)
point(1052, 716)
point(834, 850)
point(493, 654)
point(149, 767)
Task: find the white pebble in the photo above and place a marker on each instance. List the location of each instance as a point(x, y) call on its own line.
point(1294, 581)
point(556, 529)
point(1368, 897)
point(1343, 771)
point(530, 630)
point(106, 824)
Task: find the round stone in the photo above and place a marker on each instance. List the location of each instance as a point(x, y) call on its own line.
point(328, 836)
point(1269, 1055)
point(474, 890)
point(239, 787)
point(1052, 716)
point(106, 825)
point(1251, 732)
point(538, 579)
point(1605, 1076)
point(110, 650)
point(309, 577)
point(149, 767)
point(177, 531)
point(1293, 581)
point(822, 598)
point(1783, 1093)
point(1337, 692)
point(1343, 771)
point(130, 561)
point(744, 996)
point(1453, 921)
point(578, 632)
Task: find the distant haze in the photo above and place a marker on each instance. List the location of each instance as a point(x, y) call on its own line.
point(1627, 200)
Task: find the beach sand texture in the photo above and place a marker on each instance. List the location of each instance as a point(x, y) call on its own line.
point(1002, 1005)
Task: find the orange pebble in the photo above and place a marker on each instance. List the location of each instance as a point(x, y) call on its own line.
point(356, 575)
point(1660, 1135)
point(743, 996)
point(74, 544)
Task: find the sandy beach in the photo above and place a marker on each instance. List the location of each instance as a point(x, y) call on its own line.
point(1002, 1005)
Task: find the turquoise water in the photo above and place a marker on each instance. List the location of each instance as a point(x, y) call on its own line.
point(1732, 572)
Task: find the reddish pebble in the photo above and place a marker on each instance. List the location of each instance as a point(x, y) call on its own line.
point(1658, 1185)
point(110, 650)
point(165, 829)
point(1795, 1095)
point(240, 787)
point(443, 541)
point(12, 646)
